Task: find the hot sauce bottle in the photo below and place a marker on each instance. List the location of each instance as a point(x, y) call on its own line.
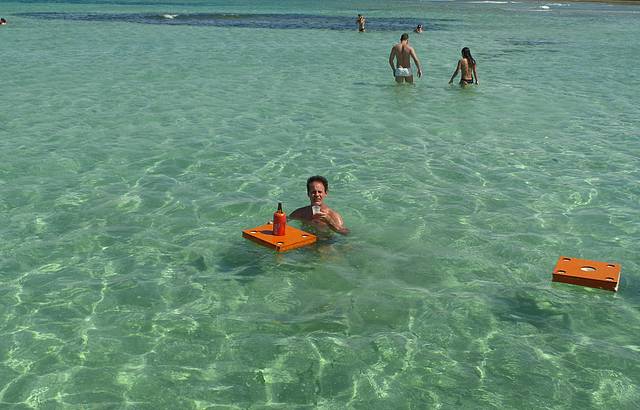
point(279, 221)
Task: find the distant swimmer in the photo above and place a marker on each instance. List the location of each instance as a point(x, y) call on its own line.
point(467, 67)
point(400, 60)
point(419, 29)
point(3, 21)
point(361, 21)
point(318, 213)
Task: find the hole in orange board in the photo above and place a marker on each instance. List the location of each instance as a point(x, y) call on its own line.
point(588, 269)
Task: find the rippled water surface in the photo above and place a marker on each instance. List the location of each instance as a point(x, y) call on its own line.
point(137, 140)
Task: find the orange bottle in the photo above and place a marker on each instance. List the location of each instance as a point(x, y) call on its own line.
point(279, 221)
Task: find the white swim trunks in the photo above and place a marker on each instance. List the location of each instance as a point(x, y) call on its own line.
point(403, 72)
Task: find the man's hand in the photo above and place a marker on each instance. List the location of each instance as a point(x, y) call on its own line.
point(325, 217)
point(334, 225)
point(322, 216)
point(419, 72)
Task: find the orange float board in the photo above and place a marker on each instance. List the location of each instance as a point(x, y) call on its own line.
point(594, 274)
point(293, 238)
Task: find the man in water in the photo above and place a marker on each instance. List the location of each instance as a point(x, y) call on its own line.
point(419, 29)
point(3, 21)
point(400, 60)
point(360, 20)
point(318, 213)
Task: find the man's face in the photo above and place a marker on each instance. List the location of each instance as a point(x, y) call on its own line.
point(316, 192)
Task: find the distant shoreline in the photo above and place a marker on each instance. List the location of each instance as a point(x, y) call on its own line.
point(586, 1)
point(599, 1)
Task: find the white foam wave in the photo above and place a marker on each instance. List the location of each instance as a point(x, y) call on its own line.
point(170, 16)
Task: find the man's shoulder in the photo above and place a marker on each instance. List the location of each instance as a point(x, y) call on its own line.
point(333, 212)
point(300, 212)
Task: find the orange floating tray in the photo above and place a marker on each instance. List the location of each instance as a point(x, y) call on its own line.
point(293, 238)
point(594, 274)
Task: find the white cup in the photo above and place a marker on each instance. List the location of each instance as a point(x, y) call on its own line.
point(315, 209)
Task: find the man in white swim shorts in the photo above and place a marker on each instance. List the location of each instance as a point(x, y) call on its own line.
point(403, 72)
point(400, 60)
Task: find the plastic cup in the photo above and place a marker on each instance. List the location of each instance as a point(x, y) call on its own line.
point(315, 209)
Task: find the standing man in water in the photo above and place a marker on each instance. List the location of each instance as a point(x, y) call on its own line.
point(400, 60)
point(361, 20)
point(318, 213)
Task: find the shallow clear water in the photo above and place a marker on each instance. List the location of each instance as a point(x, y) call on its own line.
point(134, 150)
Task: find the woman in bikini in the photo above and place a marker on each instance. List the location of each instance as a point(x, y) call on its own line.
point(467, 67)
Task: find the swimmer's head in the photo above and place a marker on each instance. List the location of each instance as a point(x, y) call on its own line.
point(318, 178)
point(466, 53)
point(317, 189)
point(404, 37)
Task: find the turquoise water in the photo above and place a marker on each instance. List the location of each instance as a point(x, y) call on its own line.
point(135, 148)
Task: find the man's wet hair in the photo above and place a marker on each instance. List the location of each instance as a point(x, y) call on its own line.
point(404, 36)
point(318, 178)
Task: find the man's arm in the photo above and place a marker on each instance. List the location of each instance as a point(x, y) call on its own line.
point(455, 73)
point(415, 59)
point(337, 224)
point(392, 56)
point(333, 220)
